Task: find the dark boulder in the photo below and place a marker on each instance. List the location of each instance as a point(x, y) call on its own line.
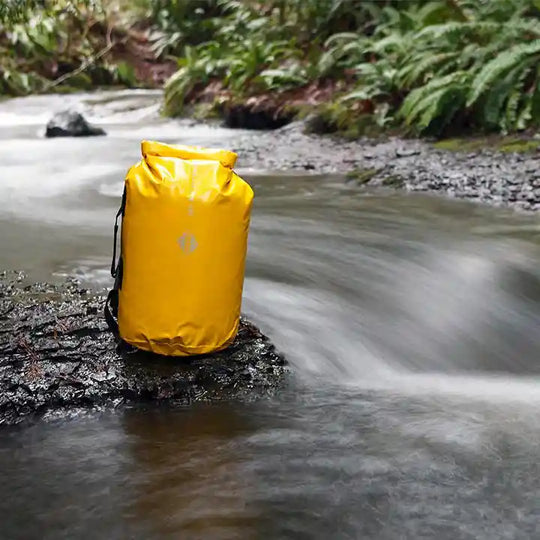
point(71, 124)
point(57, 355)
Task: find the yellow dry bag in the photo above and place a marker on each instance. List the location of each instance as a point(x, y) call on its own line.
point(179, 278)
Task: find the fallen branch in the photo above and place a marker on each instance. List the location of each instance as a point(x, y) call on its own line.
point(85, 65)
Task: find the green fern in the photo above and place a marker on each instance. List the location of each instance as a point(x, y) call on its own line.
point(419, 68)
point(519, 55)
point(525, 115)
point(415, 102)
point(424, 63)
point(535, 100)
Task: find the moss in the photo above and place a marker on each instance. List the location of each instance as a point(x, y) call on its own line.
point(394, 181)
point(520, 146)
point(494, 142)
point(462, 145)
point(361, 176)
point(206, 111)
point(81, 81)
point(66, 89)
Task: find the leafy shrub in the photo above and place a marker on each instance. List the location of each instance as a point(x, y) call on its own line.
point(445, 63)
point(42, 40)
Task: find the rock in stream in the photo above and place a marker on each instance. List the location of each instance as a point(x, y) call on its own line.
point(57, 354)
point(71, 124)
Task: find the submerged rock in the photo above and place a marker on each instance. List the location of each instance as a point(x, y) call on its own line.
point(71, 124)
point(57, 354)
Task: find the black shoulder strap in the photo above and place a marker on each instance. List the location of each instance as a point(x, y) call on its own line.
point(111, 312)
point(120, 212)
point(111, 304)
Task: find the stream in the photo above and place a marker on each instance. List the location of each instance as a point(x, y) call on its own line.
point(410, 322)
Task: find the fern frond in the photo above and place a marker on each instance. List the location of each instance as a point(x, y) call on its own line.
point(501, 65)
point(454, 30)
point(340, 38)
point(535, 101)
point(417, 68)
point(389, 43)
point(433, 13)
point(414, 101)
point(496, 98)
point(525, 115)
point(175, 91)
point(436, 110)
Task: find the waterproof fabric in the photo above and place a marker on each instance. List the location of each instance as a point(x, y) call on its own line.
point(183, 250)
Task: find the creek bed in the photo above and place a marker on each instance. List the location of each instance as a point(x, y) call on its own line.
point(409, 322)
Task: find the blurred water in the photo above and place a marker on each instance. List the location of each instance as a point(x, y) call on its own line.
point(410, 323)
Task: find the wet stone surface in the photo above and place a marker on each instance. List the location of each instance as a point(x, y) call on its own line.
point(56, 354)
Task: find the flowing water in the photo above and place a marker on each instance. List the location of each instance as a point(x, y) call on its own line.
point(411, 324)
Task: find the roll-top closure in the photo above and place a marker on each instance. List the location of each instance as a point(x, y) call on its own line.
point(153, 148)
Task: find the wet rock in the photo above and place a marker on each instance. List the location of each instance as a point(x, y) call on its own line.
point(407, 152)
point(71, 124)
point(56, 354)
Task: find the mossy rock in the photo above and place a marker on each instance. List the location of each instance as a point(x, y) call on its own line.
point(394, 181)
point(361, 176)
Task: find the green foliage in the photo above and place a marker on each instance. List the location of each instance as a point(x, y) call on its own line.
point(125, 74)
point(433, 66)
point(13, 82)
point(195, 67)
point(20, 11)
point(46, 44)
point(181, 22)
point(447, 63)
point(433, 106)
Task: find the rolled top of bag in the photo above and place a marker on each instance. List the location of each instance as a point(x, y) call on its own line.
point(153, 148)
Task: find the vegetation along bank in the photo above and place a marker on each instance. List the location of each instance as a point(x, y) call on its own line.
point(438, 67)
point(375, 72)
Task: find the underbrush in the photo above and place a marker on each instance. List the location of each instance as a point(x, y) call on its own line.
point(62, 46)
point(423, 67)
point(431, 67)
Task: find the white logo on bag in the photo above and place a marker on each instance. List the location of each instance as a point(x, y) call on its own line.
point(187, 243)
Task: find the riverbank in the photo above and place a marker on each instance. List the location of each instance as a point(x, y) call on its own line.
point(497, 171)
point(57, 356)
